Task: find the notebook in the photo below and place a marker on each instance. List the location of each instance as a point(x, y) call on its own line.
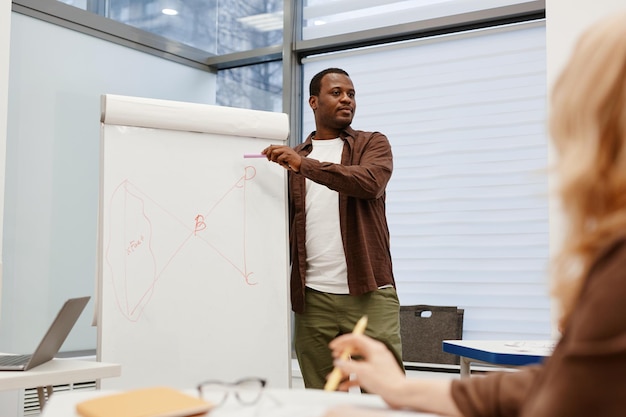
point(144, 402)
point(51, 342)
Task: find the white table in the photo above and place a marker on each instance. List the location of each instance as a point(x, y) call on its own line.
point(56, 372)
point(283, 403)
point(498, 352)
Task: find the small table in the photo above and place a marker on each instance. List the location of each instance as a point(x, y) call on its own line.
point(56, 372)
point(498, 352)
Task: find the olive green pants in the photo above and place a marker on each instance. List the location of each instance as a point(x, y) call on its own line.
point(330, 315)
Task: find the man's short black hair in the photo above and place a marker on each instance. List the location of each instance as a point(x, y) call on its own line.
point(316, 81)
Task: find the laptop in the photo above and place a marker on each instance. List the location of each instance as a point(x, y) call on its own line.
point(51, 342)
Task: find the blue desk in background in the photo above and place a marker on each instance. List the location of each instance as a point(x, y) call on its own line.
point(501, 353)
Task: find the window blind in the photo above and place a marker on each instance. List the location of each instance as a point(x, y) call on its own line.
point(467, 203)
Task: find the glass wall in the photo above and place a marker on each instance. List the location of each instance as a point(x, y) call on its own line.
point(218, 28)
point(257, 87)
point(331, 17)
point(212, 26)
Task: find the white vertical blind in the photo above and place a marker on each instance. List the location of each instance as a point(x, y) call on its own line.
point(467, 203)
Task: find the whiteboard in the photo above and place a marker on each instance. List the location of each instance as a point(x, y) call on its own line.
point(193, 258)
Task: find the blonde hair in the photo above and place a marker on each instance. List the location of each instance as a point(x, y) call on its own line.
point(588, 128)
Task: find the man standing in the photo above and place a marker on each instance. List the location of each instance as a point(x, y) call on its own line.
point(339, 239)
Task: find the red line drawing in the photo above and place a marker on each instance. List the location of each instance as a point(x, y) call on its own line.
point(137, 252)
point(200, 224)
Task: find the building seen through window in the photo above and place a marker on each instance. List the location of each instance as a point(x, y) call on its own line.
point(215, 27)
point(257, 87)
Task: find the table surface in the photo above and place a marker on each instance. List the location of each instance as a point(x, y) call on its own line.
point(274, 403)
point(58, 371)
point(501, 352)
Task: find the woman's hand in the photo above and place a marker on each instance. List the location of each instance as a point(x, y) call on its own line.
point(375, 369)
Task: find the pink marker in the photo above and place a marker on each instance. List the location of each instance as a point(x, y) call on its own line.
point(254, 155)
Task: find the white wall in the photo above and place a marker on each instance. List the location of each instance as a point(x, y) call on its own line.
point(8, 399)
point(5, 36)
point(566, 20)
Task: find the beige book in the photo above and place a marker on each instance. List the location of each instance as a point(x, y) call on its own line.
point(145, 402)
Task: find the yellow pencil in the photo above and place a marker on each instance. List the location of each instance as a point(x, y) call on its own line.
point(335, 376)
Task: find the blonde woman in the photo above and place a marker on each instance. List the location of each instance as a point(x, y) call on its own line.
point(586, 375)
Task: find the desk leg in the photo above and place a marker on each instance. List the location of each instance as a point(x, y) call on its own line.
point(465, 367)
point(41, 396)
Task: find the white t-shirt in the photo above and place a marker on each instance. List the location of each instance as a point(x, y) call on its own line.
point(326, 260)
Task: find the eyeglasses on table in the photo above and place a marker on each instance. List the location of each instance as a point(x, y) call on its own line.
point(247, 391)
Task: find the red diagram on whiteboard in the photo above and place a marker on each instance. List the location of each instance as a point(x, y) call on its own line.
point(144, 238)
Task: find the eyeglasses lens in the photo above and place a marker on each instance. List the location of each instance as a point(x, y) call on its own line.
point(214, 393)
point(249, 391)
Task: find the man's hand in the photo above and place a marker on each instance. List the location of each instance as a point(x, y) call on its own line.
point(283, 156)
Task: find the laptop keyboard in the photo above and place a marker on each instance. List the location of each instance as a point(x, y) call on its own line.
point(13, 359)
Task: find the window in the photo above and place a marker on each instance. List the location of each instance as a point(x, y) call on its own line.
point(467, 203)
point(191, 32)
point(215, 27)
point(257, 87)
point(331, 17)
